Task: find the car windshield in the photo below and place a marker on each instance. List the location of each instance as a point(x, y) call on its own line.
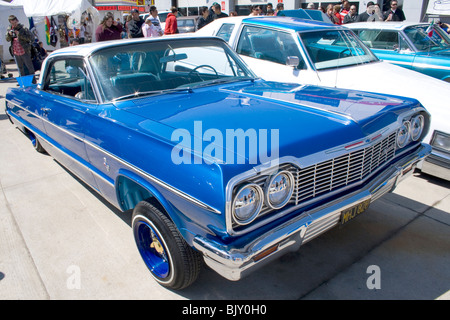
point(427, 39)
point(163, 66)
point(335, 48)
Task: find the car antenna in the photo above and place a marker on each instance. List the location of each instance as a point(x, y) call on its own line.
point(337, 70)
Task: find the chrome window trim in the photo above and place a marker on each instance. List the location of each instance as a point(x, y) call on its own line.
point(89, 75)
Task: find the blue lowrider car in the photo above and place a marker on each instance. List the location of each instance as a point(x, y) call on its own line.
point(418, 47)
point(216, 164)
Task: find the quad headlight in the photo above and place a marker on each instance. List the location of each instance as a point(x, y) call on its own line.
point(247, 204)
point(411, 130)
point(403, 134)
point(250, 198)
point(279, 189)
point(417, 125)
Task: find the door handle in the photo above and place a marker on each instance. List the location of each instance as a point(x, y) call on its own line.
point(45, 110)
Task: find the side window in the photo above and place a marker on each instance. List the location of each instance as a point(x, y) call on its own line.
point(225, 31)
point(403, 44)
point(266, 44)
point(68, 77)
point(387, 40)
point(380, 39)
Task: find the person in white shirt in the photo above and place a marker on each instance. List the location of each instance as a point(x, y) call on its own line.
point(158, 31)
point(147, 28)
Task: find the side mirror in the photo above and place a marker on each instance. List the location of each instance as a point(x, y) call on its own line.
point(292, 61)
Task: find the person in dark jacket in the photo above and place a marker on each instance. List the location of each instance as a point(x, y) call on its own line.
point(21, 39)
point(135, 25)
point(109, 29)
point(171, 22)
point(352, 15)
point(205, 18)
point(363, 17)
point(217, 9)
point(395, 13)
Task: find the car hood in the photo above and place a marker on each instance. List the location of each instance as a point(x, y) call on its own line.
point(303, 120)
point(429, 91)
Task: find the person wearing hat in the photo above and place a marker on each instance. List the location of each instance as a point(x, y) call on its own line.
point(20, 38)
point(135, 25)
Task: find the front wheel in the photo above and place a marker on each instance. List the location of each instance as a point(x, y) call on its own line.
point(171, 261)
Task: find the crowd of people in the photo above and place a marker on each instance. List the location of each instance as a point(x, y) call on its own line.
point(136, 27)
point(345, 13)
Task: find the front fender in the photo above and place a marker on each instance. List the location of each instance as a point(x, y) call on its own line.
point(190, 218)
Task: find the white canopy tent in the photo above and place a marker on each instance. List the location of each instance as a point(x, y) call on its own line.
point(39, 9)
point(42, 8)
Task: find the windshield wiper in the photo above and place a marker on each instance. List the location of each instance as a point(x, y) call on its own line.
point(154, 92)
point(222, 81)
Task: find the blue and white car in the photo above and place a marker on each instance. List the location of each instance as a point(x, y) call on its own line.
point(310, 52)
point(216, 164)
point(416, 46)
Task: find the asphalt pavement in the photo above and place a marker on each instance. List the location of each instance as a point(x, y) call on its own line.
point(59, 240)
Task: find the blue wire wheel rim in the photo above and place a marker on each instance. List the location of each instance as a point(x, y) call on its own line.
point(153, 249)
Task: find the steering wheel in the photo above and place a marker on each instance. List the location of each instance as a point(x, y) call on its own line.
point(202, 66)
point(345, 53)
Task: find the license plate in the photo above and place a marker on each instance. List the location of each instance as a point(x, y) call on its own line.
point(353, 212)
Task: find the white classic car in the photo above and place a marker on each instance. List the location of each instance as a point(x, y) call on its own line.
point(310, 52)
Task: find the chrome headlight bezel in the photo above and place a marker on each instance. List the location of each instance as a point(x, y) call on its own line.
point(417, 126)
point(259, 198)
point(404, 134)
point(289, 178)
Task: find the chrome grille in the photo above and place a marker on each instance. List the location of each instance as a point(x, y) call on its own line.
point(324, 177)
point(330, 175)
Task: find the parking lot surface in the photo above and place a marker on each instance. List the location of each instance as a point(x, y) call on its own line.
point(60, 240)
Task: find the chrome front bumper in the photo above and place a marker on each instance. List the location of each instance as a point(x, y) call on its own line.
point(234, 263)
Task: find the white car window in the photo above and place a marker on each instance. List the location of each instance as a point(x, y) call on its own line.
point(225, 31)
point(267, 44)
point(335, 48)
